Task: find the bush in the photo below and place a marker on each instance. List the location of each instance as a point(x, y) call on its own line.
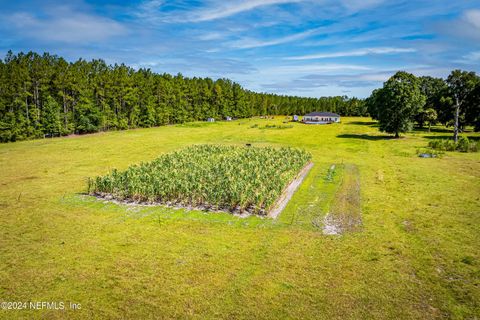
point(474, 147)
point(274, 126)
point(463, 145)
point(122, 124)
point(450, 145)
point(330, 173)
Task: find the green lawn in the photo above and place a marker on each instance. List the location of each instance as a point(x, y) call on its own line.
point(417, 255)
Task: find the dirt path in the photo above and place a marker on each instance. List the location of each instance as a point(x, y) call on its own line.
point(288, 192)
point(345, 212)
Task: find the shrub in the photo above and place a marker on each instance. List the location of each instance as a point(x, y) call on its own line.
point(330, 173)
point(450, 145)
point(474, 147)
point(274, 126)
point(463, 145)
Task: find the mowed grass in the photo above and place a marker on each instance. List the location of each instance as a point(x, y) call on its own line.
point(416, 257)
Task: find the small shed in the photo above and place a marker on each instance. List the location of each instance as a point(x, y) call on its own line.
point(228, 118)
point(321, 118)
point(295, 117)
point(211, 120)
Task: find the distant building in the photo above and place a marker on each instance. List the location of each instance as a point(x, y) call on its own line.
point(321, 118)
point(295, 117)
point(228, 118)
point(211, 120)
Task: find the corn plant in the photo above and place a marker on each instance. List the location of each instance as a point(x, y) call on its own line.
point(212, 176)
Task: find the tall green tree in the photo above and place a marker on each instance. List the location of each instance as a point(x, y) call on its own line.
point(88, 96)
point(433, 89)
point(473, 107)
point(8, 128)
point(462, 85)
point(398, 102)
point(430, 117)
point(87, 117)
point(51, 123)
point(373, 103)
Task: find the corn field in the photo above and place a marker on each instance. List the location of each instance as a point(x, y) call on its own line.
point(209, 176)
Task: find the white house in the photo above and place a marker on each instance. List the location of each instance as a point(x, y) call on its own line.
point(210, 120)
point(321, 118)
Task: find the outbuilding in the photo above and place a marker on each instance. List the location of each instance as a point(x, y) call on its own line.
point(211, 120)
point(321, 118)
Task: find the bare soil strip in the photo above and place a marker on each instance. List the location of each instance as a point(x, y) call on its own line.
point(107, 198)
point(345, 212)
point(288, 192)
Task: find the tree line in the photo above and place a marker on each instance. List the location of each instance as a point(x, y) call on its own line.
point(45, 95)
point(406, 99)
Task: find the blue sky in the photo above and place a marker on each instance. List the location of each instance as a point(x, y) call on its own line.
point(308, 48)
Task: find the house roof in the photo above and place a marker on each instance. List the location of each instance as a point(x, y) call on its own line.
point(322, 114)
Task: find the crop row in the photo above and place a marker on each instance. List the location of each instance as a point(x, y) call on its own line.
point(213, 176)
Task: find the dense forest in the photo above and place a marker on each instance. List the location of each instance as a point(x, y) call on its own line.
point(45, 95)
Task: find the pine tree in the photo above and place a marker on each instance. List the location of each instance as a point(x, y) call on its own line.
point(50, 120)
point(37, 92)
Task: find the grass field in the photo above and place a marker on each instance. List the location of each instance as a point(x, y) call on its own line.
point(416, 256)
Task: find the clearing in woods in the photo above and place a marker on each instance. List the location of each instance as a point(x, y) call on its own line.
point(415, 256)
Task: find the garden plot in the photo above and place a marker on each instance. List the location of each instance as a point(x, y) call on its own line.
point(208, 177)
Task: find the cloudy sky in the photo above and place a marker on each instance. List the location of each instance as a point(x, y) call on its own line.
point(302, 47)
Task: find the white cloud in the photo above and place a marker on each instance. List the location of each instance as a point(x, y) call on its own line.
point(353, 53)
point(211, 36)
point(66, 25)
point(356, 5)
point(338, 80)
point(472, 17)
point(232, 8)
point(296, 70)
point(467, 26)
point(470, 58)
point(254, 43)
point(213, 10)
point(473, 56)
point(151, 5)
